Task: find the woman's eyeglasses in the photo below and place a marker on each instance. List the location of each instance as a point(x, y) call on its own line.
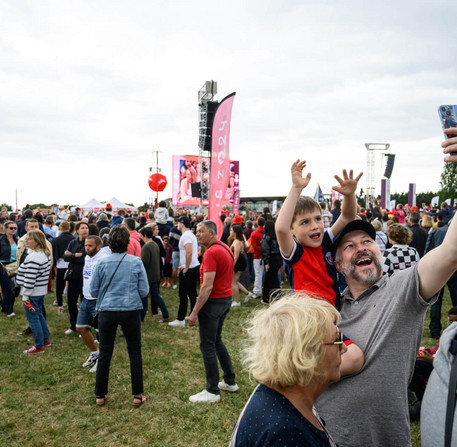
point(338, 341)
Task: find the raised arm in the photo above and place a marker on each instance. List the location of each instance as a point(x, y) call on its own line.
point(284, 221)
point(437, 266)
point(347, 187)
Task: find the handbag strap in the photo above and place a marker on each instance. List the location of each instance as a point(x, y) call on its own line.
point(450, 410)
point(112, 276)
point(225, 246)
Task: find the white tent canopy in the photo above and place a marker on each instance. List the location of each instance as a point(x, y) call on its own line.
point(91, 205)
point(117, 205)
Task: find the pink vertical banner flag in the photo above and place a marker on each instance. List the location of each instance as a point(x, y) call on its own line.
point(220, 160)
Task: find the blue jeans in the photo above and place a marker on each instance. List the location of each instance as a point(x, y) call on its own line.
point(37, 321)
point(155, 299)
point(210, 321)
point(86, 311)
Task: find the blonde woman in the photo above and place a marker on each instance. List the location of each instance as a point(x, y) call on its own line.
point(427, 222)
point(32, 276)
point(381, 238)
point(294, 354)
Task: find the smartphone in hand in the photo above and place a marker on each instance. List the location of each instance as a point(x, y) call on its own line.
point(448, 118)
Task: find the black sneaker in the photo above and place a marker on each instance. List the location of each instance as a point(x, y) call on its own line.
point(25, 332)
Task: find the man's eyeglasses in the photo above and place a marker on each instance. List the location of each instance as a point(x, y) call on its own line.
point(11, 228)
point(338, 341)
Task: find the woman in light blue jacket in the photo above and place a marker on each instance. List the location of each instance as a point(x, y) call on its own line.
point(119, 282)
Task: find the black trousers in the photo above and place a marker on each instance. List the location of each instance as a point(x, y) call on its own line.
point(422, 371)
point(75, 289)
point(271, 277)
point(210, 322)
point(187, 289)
point(130, 323)
point(60, 286)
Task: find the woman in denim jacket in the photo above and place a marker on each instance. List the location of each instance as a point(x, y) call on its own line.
point(119, 281)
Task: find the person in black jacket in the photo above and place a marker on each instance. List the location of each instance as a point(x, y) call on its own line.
point(59, 246)
point(271, 259)
point(8, 247)
point(419, 234)
point(74, 255)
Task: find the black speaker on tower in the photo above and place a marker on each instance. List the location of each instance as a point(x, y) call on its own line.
point(207, 111)
point(389, 165)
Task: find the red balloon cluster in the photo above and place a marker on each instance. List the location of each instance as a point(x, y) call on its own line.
point(157, 182)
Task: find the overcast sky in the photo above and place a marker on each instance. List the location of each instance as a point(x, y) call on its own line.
point(90, 88)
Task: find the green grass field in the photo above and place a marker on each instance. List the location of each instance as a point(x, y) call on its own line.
point(48, 399)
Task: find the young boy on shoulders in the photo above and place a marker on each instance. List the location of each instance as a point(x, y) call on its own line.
point(306, 247)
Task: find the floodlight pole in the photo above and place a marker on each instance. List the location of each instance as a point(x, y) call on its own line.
point(371, 148)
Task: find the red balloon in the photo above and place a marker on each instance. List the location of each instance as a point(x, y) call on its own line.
point(157, 182)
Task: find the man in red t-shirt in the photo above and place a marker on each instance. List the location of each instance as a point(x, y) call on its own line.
point(213, 304)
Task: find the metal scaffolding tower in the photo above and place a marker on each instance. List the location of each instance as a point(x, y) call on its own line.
point(371, 167)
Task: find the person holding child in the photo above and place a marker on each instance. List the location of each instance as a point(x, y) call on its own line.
point(384, 315)
point(306, 247)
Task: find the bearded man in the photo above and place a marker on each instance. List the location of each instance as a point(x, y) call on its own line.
point(384, 316)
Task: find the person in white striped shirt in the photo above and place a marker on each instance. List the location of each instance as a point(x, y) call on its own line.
point(32, 276)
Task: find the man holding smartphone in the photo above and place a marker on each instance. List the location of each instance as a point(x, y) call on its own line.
point(384, 316)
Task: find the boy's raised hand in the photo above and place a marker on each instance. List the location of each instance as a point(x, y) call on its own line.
point(298, 181)
point(348, 184)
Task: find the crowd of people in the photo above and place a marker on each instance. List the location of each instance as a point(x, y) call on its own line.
point(369, 272)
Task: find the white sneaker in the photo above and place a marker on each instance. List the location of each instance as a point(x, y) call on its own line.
point(226, 387)
point(12, 314)
point(235, 304)
point(94, 368)
point(176, 323)
point(205, 396)
point(69, 331)
point(175, 286)
point(91, 360)
point(248, 297)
